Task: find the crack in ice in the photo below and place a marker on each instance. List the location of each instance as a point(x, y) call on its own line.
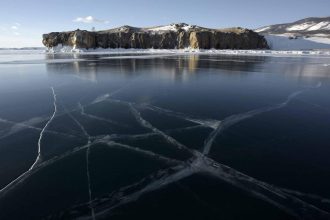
point(18, 179)
point(103, 140)
point(234, 119)
point(200, 164)
point(203, 164)
point(211, 123)
point(89, 185)
point(164, 180)
point(107, 96)
point(82, 111)
point(147, 125)
point(40, 166)
point(307, 195)
point(144, 152)
point(82, 128)
point(169, 131)
point(22, 125)
point(43, 130)
point(264, 191)
point(134, 136)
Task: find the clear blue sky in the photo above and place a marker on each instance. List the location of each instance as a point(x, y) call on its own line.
point(22, 22)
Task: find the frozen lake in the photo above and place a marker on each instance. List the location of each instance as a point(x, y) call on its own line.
point(164, 136)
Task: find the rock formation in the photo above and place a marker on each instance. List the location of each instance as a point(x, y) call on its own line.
point(175, 36)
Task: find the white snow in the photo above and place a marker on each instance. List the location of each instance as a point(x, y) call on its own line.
point(300, 27)
point(172, 27)
point(327, 27)
point(187, 27)
point(321, 40)
point(164, 28)
point(309, 26)
point(262, 29)
point(282, 42)
point(61, 49)
point(319, 26)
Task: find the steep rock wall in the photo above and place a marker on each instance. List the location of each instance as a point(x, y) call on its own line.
point(237, 38)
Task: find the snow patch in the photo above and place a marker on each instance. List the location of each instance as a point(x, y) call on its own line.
point(262, 29)
point(187, 27)
point(164, 28)
point(300, 27)
point(327, 27)
point(319, 26)
point(63, 49)
point(172, 27)
point(310, 26)
point(321, 40)
point(283, 42)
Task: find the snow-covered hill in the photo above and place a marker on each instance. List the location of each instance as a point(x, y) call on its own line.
point(305, 27)
point(305, 34)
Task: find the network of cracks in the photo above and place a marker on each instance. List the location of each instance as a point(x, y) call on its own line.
point(133, 132)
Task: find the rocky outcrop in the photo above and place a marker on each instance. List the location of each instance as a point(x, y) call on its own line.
point(175, 36)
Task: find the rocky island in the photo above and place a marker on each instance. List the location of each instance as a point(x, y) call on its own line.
point(174, 36)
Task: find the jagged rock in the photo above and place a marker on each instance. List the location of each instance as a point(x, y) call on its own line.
point(175, 36)
point(83, 39)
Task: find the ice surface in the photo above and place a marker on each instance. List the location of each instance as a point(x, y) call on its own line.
point(281, 47)
point(199, 162)
point(43, 130)
point(284, 45)
point(317, 45)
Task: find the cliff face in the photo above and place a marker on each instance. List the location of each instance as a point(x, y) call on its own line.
point(176, 36)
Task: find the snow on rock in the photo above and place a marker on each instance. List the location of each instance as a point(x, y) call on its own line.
point(321, 25)
point(304, 27)
point(327, 27)
point(262, 29)
point(187, 27)
point(164, 28)
point(300, 27)
point(171, 27)
point(310, 26)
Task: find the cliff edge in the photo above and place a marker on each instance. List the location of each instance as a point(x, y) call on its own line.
point(174, 36)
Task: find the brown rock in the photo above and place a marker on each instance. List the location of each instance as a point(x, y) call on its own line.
point(183, 37)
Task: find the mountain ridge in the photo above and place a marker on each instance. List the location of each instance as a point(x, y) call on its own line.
point(311, 26)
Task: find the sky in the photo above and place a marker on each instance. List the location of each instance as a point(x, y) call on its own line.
point(22, 22)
